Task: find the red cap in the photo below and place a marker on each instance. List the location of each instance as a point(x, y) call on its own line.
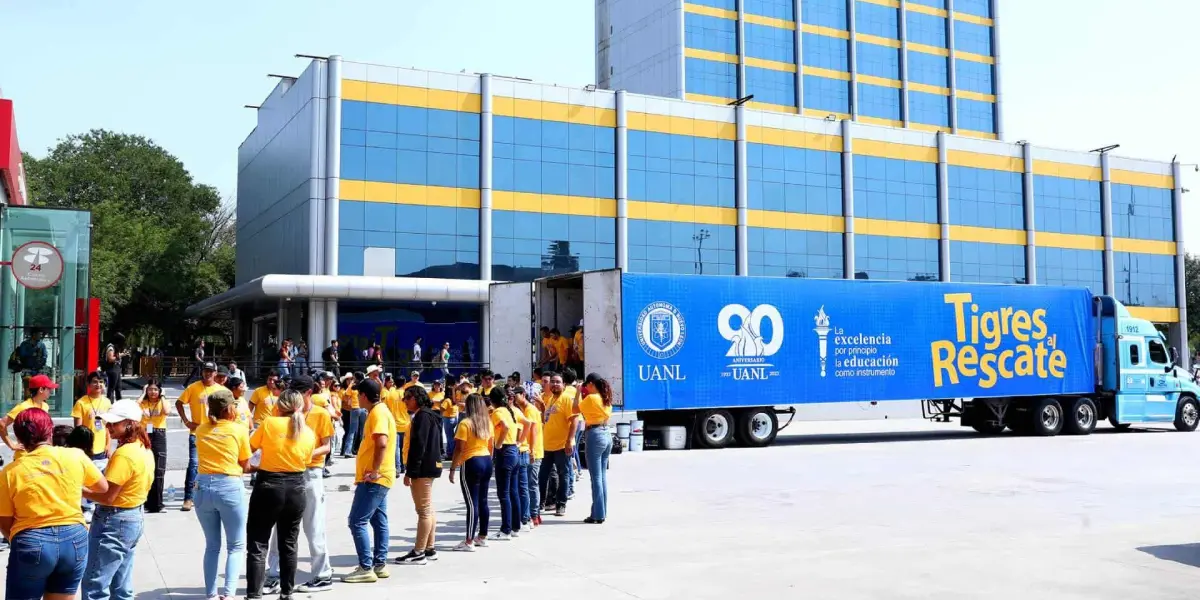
point(41, 381)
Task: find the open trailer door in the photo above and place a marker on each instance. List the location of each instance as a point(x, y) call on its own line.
point(510, 328)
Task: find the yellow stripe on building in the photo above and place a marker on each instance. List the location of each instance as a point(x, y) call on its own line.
point(971, 56)
point(928, 89)
point(773, 219)
point(928, 10)
point(773, 65)
point(769, 21)
point(841, 34)
point(402, 193)
point(985, 161)
point(1070, 171)
point(681, 213)
point(711, 11)
point(927, 49)
point(887, 3)
point(827, 73)
point(1143, 246)
point(904, 229)
point(894, 150)
point(793, 139)
point(976, 19)
point(1142, 179)
point(880, 121)
point(983, 135)
point(880, 81)
point(707, 99)
point(1073, 241)
point(554, 111)
point(554, 204)
point(710, 55)
point(1156, 314)
point(681, 126)
point(967, 233)
point(877, 40)
point(969, 95)
point(403, 95)
point(767, 106)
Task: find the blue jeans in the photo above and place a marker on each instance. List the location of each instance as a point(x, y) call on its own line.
point(476, 473)
point(450, 426)
point(535, 498)
point(400, 452)
point(351, 422)
point(369, 506)
point(221, 504)
point(112, 542)
point(599, 447)
point(46, 560)
point(360, 420)
point(555, 461)
point(523, 487)
point(193, 468)
point(506, 461)
point(574, 465)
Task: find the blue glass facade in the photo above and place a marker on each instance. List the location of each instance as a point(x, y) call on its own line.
point(1142, 212)
point(791, 253)
point(794, 180)
point(986, 198)
point(895, 190)
point(1145, 279)
point(1068, 266)
point(982, 262)
point(1065, 205)
point(896, 258)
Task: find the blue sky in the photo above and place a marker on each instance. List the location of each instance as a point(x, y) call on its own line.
point(1077, 74)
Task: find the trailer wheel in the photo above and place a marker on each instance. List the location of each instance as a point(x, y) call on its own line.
point(714, 429)
point(1081, 417)
point(757, 427)
point(1047, 417)
point(1187, 415)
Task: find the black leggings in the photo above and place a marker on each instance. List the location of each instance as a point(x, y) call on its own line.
point(158, 443)
point(278, 501)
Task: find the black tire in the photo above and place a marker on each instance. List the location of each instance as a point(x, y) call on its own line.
point(1080, 417)
point(714, 429)
point(1046, 418)
point(1187, 414)
point(1112, 420)
point(988, 427)
point(757, 427)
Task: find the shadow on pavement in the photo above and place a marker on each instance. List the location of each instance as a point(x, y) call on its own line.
point(1184, 554)
point(823, 439)
point(166, 593)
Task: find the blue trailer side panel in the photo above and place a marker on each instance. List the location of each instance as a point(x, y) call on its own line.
point(699, 342)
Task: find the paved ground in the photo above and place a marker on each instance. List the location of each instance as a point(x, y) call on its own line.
point(901, 509)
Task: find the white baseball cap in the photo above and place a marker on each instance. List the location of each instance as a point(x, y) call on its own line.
point(374, 369)
point(122, 410)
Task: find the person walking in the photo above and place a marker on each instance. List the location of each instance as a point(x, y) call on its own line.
point(596, 408)
point(277, 502)
point(195, 399)
point(154, 420)
point(197, 365)
point(374, 475)
point(110, 364)
point(473, 454)
point(423, 453)
point(506, 460)
point(531, 457)
point(559, 441)
point(444, 361)
point(40, 515)
point(118, 523)
point(223, 448)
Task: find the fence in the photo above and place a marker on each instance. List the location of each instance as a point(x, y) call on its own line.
point(177, 369)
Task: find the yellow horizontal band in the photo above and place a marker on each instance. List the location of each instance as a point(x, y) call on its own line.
point(967, 233)
point(681, 213)
point(1073, 241)
point(880, 121)
point(927, 127)
point(403, 193)
point(707, 99)
point(893, 150)
point(983, 135)
point(841, 34)
point(710, 55)
point(904, 229)
point(1143, 246)
point(1070, 171)
point(793, 139)
point(403, 95)
point(554, 111)
point(927, 49)
point(877, 40)
point(767, 106)
point(928, 89)
point(880, 81)
point(976, 19)
point(773, 65)
point(985, 161)
point(1156, 314)
point(971, 56)
point(681, 126)
point(828, 73)
point(969, 95)
point(710, 11)
point(769, 21)
point(774, 219)
point(929, 10)
point(554, 204)
point(1143, 179)
point(888, 3)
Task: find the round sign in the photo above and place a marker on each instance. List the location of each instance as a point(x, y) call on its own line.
point(37, 265)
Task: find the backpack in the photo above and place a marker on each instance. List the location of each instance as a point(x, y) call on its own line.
point(14, 361)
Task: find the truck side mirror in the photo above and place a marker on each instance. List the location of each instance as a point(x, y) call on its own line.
point(1174, 352)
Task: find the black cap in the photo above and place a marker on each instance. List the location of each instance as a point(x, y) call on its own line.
point(223, 370)
point(301, 383)
point(370, 389)
point(209, 366)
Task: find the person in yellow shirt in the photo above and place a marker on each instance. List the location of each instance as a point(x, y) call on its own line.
point(549, 353)
point(473, 453)
point(40, 388)
point(331, 401)
point(262, 401)
point(577, 347)
point(87, 411)
point(445, 406)
point(414, 378)
point(118, 523)
point(374, 474)
point(596, 408)
point(559, 441)
point(562, 348)
point(531, 458)
point(393, 397)
point(245, 414)
point(154, 419)
point(352, 417)
point(195, 399)
point(41, 515)
point(287, 447)
point(507, 426)
point(223, 449)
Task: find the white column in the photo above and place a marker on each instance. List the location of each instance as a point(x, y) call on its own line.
point(848, 199)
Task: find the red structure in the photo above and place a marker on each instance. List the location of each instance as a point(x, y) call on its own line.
point(87, 334)
point(12, 172)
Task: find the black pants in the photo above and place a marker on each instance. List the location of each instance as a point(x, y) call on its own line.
point(158, 443)
point(113, 374)
point(195, 374)
point(555, 461)
point(277, 501)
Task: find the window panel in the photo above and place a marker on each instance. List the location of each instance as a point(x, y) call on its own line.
point(979, 262)
point(979, 8)
point(879, 101)
point(879, 61)
point(974, 77)
point(894, 258)
point(722, 4)
point(1070, 267)
point(681, 169)
point(791, 253)
point(986, 198)
point(771, 43)
point(875, 19)
point(896, 190)
point(710, 33)
point(1145, 279)
point(681, 248)
point(926, 29)
point(929, 69)
point(826, 13)
point(776, 9)
point(975, 115)
point(929, 109)
point(823, 93)
point(826, 52)
point(1143, 213)
point(770, 86)
point(973, 38)
point(1063, 205)
point(710, 77)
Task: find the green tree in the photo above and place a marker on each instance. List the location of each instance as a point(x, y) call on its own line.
point(160, 241)
point(1191, 279)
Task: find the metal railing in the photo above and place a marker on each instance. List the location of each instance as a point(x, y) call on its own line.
point(177, 369)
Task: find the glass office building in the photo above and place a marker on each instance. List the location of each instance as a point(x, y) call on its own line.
point(372, 186)
point(931, 65)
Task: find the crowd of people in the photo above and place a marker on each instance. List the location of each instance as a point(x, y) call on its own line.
point(108, 471)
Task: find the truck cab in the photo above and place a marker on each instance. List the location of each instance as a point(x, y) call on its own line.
point(1138, 374)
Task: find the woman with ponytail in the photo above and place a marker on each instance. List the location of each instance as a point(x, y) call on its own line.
point(223, 455)
point(473, 452)
point(278, 499)
point(507, 423)
point(596, 409)
point(154, 419)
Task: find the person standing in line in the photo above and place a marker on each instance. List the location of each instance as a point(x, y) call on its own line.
point(423, 453)
point(86, 413)
point(40, 388)
point(350, 416)
point(393, 397)
point(506, 458)
point(262, 401)
point(445, 405)
point(596, 409)
point(571, 385)
point(473, 453)
point(198, 366)
point(33, 354)
point(531, 458)
point(41, 516)
point(374, 475)
point(548, 353)
point(444, 361)
point(154, 419)
point(195, 398)
point(559, 441)
point(278, 500)
point(330, 401)
point(118, 524)
point(223, 448)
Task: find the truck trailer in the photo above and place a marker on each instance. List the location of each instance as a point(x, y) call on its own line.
point(728, 356)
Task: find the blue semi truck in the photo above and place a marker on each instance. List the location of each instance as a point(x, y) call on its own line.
point(727, 357)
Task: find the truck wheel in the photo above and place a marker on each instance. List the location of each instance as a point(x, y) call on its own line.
point(1080, 418)
point(757, 427)
point(1112, 420)
point(1047, 417)
point(714, 429)
point(1187, 415)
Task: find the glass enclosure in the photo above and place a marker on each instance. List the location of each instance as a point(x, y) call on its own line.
point(38, 327)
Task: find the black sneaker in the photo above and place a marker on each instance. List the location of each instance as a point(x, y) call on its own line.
point(271, 586)
point(412, 558)
point(326, 474)
point(319, 584)
point(431, 554)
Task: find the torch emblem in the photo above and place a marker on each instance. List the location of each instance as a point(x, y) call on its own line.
point(822, 329)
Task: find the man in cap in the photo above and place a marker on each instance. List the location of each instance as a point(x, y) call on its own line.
point(222, 375)
point(374, 474)
point(195, 399)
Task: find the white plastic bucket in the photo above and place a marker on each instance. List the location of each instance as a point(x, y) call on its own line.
point(637, 427)
point(623, 435)
point(636, 442)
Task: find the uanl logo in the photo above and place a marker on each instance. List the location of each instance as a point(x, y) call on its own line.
point(750, 344)
point(661, 331)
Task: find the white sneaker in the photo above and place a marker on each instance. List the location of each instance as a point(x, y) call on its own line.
point(480, 542)
point(500, 536)
point(516, 534)
point(464, 547)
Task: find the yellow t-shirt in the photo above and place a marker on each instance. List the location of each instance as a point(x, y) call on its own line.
point(321, 424)
point(264, 404)
point(548, 346)
point(561, 345)
point(394, 399)
point(88, 410)
point(558, 421)
point(321, 399)
point(349, 399)
point(537, 450)
point(154, 413)
point(473, 445)
point(44, 488)
point(245, 416)
point(221, 446)
point(578, 343)
point(501, 415)
point(27, 404)
point(594, 411)
point(379, 421)
point(132, 468)
point(407, 384)
point(280, 454)
point(195, 398)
